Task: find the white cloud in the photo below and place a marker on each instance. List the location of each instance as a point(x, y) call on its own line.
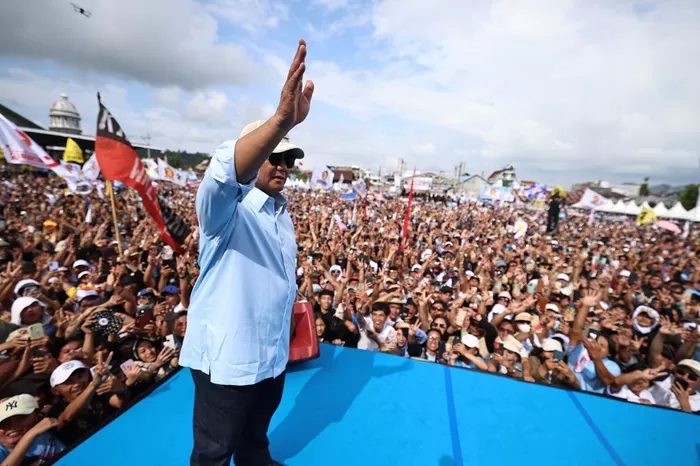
point(252, 15)
point(159, 42)
point(536, 83)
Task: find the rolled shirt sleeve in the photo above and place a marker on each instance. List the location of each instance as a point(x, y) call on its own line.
point(220, 192)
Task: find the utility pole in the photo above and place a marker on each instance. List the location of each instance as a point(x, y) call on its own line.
point(147, 138)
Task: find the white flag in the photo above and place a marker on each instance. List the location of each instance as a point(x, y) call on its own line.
point(20, 149)
point(592, 200)
point(88, 216)
point(339, 222)
point(91, 169)
point(322, 176)
point(360, 188)
point(686, 230)
point(173, 175)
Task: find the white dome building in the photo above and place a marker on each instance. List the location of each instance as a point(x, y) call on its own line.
point(64, 117)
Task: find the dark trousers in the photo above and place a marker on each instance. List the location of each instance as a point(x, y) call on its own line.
point(231, 421)
point(552, 220)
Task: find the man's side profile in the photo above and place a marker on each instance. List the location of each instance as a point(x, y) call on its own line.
point(237, 340)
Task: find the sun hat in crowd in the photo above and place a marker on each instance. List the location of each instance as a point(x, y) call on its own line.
point(523, 317)
point(28, 282)
point(550, 344)
point(552, 307)
point(691, 364)
point(64, 371)
point(19, 405)
point(19, 305)
point(283, 146)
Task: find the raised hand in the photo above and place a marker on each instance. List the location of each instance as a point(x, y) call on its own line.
point(295, 100)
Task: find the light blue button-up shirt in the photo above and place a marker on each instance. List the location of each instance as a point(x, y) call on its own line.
point(238, 322)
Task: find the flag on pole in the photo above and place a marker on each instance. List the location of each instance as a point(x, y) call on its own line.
point(173, 175)
point(73, 152)
point(20, 149)
point(646, 217)
point(119, 162)
point(322, 176)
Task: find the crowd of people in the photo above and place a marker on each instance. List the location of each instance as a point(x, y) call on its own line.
point(92, 317)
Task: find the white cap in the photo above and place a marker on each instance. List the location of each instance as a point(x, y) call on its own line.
point(82, 294)
point(283, 146)
point(563, 277)
point(470, 341)
point(625, 273)
point(81, 263)
point(691, 364)
point(552, 307)
point(26, 282)
point(416, 268)
point(83, 274)
point(335, 268)
point(550, 344)
point(65, 370)
point(18, 405)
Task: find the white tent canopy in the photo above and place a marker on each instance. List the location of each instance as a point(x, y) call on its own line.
point(677, 212)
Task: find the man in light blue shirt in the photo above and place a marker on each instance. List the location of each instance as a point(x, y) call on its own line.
point(239, 320)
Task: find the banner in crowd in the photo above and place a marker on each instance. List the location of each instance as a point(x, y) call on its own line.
point(73, 152)
point(20, 149)
point(419, 183)
point(173, 175)
point(360, 188)
point(119, 162)
point(322, 177)
point(592, 200)
point(496, 193)
point(534, 192)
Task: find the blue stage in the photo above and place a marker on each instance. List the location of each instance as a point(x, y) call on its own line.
point(357, 408)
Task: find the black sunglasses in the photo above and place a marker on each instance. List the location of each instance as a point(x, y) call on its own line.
point(690, 375)
point(276, 159)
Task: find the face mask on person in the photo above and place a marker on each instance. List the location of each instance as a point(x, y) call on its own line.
point(524, 328)
point(642, 330)
point(144, 307)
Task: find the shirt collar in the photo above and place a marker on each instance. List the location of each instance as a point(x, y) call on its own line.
point(258, 199)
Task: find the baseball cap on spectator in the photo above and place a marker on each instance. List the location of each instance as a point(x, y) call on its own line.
point(563, 277)
point(625, 273)
point(283, 146)
point(470, 341)
point(523, 317)
point(691, 364)
point(82, 274)
point(426, 255)
point(82, 294)
point(501, 263)
point(335, 268)
point(81, 263)
point(563, 339)
point(22, 285)
point(565, 292)
point(19, 405)
point(64, 371)
point(415, 268)
point(145, 292)
point(550, 344)
point(552, 307)
point(170, 289)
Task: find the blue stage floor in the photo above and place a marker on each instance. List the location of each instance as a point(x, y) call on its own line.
point(357, 408)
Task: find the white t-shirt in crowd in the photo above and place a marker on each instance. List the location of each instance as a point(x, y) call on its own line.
point(387, 335)
point(663, 396)
point(626, 394)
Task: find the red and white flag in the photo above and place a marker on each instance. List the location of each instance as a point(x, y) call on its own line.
point(119, 162)
point(20, 149)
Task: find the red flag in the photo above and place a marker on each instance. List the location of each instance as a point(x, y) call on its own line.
point(404, 233)
point(119, 162)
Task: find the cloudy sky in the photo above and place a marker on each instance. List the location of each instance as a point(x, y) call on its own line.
point(565, 90)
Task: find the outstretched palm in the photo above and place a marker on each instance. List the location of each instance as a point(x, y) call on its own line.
point(295, 100)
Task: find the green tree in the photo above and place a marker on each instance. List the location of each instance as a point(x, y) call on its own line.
point(689, 196)
point(644, 188)
point(299, 174)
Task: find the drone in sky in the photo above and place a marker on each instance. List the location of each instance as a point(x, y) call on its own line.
point(81, 10)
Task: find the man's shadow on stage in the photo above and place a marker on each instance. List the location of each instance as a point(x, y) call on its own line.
point(327, 396)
